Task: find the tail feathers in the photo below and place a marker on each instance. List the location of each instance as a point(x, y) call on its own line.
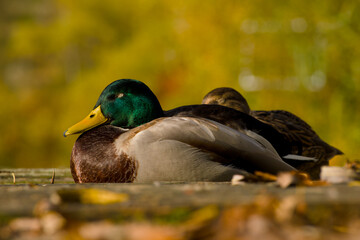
point(338, 152)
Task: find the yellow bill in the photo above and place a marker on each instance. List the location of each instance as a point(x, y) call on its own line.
point(95, 118)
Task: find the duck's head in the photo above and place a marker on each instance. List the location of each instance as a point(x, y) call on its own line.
point(125, 103)
point(227, 97)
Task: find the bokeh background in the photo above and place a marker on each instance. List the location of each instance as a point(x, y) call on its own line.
point(58, 55)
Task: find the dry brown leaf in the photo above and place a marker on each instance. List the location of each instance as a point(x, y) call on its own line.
point(52, 222)
point(295, 178)
point(256, 177)
point(100, 230)
point(353, 165)
point(25, 224)
point(153, 232)
point(265, 177)
point(289, 206)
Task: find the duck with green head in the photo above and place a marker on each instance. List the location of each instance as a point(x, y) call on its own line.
point(129, 138)
point(299, 135)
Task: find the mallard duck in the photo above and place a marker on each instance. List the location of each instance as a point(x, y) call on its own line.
point(301, 137)
point(128, 138)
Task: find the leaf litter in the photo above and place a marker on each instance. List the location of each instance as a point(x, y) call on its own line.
point(267, 216)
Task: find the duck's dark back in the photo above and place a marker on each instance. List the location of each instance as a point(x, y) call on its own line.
point(236, 120)
point(296, 130)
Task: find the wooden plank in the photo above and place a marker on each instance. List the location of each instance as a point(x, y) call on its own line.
point(35, 175)
point(34, 197)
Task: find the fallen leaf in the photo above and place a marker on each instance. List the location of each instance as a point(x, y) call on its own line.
point(289, 206)
point(256, 177)
point(354, 184)
point(295, 178)
point(91, 196)
point(52, 222)
point(202, 215)
point(100, 230)
point(237, 179)
point(265, 177)
point(25, 224)
point(337, 175)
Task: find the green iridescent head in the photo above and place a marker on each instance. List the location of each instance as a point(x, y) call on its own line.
point(125, 103)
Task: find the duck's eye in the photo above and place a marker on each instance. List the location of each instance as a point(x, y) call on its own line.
point(112, 97)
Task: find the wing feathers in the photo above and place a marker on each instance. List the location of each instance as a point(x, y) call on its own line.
point(214, 138)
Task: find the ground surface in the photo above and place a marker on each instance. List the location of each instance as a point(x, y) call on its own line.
point(32, 207)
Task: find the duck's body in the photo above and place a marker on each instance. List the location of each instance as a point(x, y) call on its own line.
point(302, 139)
point(170, 149)
point(144, 146)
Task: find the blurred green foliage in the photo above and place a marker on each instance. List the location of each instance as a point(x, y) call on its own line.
point(58, 55)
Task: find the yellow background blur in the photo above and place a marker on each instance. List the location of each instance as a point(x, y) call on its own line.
point(58, 55)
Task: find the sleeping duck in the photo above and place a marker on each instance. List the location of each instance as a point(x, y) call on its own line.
point(302, 138)
point(127, 137)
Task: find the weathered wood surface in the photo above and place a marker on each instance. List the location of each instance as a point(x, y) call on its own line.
point(32, 185)
point(35, 176)
point(334, 205)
